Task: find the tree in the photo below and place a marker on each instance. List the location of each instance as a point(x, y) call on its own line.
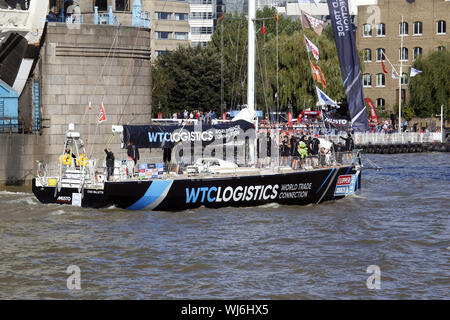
point(431, 88)
point(189, 79)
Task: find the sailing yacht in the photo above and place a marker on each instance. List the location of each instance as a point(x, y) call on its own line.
point(208, 181)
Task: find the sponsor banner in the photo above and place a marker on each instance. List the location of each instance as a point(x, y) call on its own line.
point(258, 113)
point(152, 136)
point(335, 122)
point(344, 36)
point(247, 193)
point(346, 185)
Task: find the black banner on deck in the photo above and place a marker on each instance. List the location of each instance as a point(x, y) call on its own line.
point(152, 136)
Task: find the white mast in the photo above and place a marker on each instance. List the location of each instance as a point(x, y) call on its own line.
point(251, 77)
point(251, 56)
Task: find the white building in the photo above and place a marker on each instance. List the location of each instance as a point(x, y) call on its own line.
point(201, 20)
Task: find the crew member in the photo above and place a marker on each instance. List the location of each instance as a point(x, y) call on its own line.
point(109, 164)
point(133, 153)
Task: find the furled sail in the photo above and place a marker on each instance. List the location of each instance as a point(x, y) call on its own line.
point(349, 60)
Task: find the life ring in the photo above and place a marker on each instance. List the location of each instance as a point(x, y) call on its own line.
point(82, 160)
point(65, 159)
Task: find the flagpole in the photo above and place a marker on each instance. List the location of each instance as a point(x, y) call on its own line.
point(278, 86)
point(307, 51)
point(400, 81)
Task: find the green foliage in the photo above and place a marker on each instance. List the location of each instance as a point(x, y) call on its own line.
point(431, 88)
point(186, 78)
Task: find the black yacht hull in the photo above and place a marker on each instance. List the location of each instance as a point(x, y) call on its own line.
point(292, 188)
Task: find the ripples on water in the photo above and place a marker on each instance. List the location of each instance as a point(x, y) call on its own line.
point(400, 222)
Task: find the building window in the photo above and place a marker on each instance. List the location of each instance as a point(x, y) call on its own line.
point(381, 52)
point(381, 30)
point(404, 78)
point(367, 29)
point(201, 15)
point(181, 16)
point(163, 15)
point(163, 35)
point(418, 28)
point(441, 27)
point(403, 53)
point(417, 52)
point(122, 5)
point(202, 44)
point(181, 36)
point(381, 80)
point(202, 30)
point(381, 103)
point(403, 28)
point(367, 80)
point(101, 4)
point(367, 55)
point(160, 52)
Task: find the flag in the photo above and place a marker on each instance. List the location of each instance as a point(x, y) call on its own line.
point(344, 37)
point(414, 72)
point(102, 116)
point(316, 2)
point(373, 113)
point(311, 47)
point(311, 22)
point(394, 74)
point(318, 75)
point(383, 65)
point(324, 99)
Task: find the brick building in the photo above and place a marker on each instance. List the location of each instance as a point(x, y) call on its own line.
point(424, 30)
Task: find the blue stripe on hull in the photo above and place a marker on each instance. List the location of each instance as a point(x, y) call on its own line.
point(153, 193)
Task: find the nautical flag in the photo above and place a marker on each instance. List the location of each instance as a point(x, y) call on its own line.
point(324, 99)
point(316, 2)
point(311, 22)
point(102, 116)
point(373, 113)
point(383, 65)
point(318, 75)
point(414, 72)
point(394, 74)
point(311, 47)
point(344, 37)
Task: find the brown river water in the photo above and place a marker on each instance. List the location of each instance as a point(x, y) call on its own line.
point(399, 222)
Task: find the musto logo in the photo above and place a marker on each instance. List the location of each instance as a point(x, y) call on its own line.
point(64, 199)
point(219, 194)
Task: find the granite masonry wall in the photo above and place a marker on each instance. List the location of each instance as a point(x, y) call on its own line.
point(91, 63)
